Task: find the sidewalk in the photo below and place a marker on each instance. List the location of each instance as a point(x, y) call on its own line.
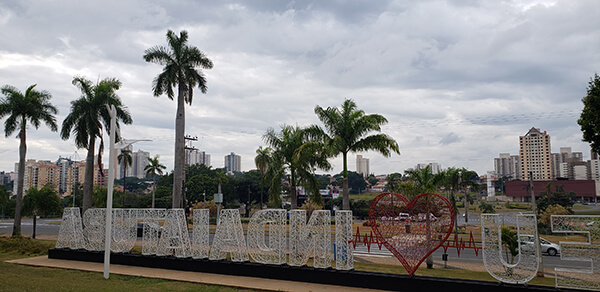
point(194, 277)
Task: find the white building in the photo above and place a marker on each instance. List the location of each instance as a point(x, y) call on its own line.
point(362, 165)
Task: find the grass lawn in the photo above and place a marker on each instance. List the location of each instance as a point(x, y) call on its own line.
point(26, 278)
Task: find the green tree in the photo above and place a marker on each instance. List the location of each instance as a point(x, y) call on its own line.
point(33, 107)
point(43, 202)
point(153, 168)
point(393, 182)
point(423, 178)
point(126, 160)
point(372, 180)
point(356, 182)
point(247, 189)
point(180, 62)
point(294, 153)
point(88, 117)
point(348, 130)
point(557, 197)
point(263, 156)
point(4, 200)
point(486, 207)
point(590, 115)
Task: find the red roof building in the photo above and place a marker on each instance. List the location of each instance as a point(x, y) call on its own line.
point(583, 189)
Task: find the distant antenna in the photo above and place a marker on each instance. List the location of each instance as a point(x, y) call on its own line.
point(75, 156)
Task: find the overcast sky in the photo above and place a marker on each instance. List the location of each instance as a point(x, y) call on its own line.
point(458, 81)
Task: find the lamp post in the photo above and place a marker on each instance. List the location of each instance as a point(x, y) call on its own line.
point(109, 195)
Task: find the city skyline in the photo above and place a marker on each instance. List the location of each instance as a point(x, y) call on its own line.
point(458, 83)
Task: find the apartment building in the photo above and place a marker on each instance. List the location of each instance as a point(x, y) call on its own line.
point(534, 155)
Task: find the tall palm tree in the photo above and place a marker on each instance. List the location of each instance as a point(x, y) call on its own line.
point(33, 107)
point(180, 61)
point(295, 153)
point(263, 156)
point(125, 158)
point(423, 178)
point(153, 168)
point(88, 117)
point(348, 131)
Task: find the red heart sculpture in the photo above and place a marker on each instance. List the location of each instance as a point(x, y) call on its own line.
point(406, 230)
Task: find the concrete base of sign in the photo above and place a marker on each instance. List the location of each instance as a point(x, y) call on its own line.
point(352, 278)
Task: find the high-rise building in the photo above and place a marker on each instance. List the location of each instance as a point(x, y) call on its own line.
point(233, 163)
point(26, 177)
point(139, 161)
point(534, 155)
point(195, 156)
point(434, 167)
point(6, 177)
point(362, 165)
point(507, 165)
point(563, 163)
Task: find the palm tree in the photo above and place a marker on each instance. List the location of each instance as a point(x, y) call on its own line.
point(425, 181)
point(125, 158)
point(180, 61)
point(263, 156)
point(393, 182)
point(154, 167)
point(86, 119)
point(423, 178)
point(294, 153)
point(33, 107)
point(347, 130)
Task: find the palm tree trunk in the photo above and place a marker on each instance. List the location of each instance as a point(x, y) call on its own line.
point(124, 176)
point(261, 189)
point(20, 182)
point(153, 189)
point(345, 196)
point(88, 182)
point(293, 192)
point(179, 148)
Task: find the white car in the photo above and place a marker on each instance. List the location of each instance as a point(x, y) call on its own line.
point(548, 247)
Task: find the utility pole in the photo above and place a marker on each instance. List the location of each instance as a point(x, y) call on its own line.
point(540, 272)
point(188, 147)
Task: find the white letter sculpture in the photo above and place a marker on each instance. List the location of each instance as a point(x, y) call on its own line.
point(94, 221)
point(151, 229)
point(70, 233)
point(229, 237)
point(175, 239)
point(200, 235)
point(312, 240)
point(275, 252)
point(124, 224)
point(589, 251)
point(344, 250)
point(526, 265)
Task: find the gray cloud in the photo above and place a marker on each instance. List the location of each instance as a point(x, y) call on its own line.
point(457, 81)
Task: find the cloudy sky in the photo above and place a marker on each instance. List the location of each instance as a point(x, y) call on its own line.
point(458, 81)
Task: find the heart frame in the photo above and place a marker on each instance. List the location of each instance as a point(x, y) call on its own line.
point(411, 229)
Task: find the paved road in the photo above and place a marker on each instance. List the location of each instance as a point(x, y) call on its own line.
point(468, 256)
point(43, 226)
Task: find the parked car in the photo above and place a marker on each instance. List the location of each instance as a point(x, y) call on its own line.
point(404, 217)
point(547, 246)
